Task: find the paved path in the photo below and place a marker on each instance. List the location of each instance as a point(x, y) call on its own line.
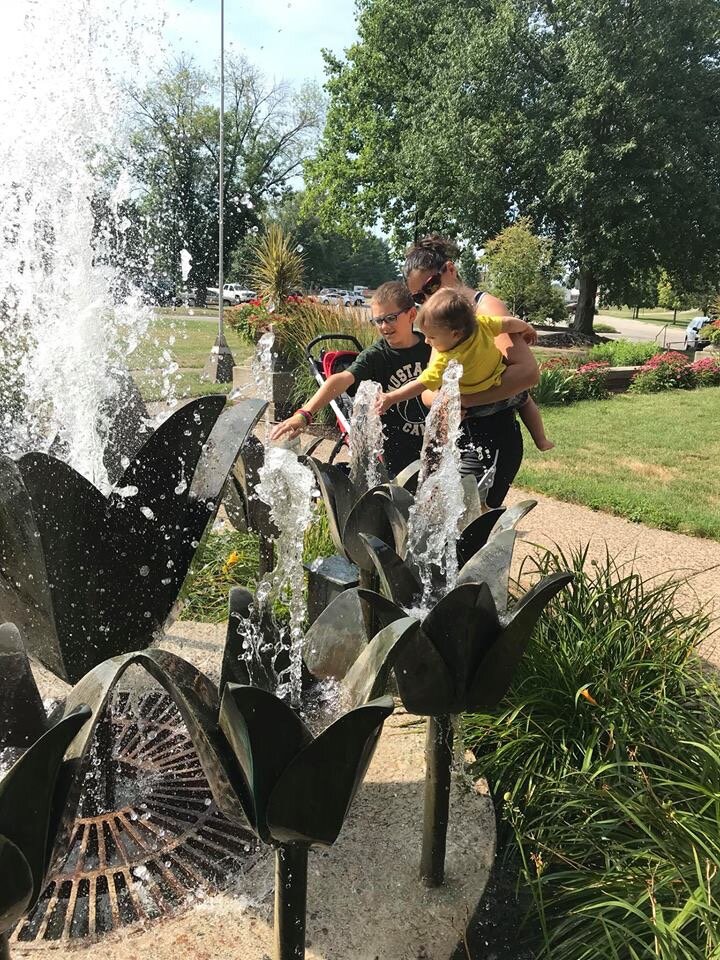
point(640, 331)
point(654, 553)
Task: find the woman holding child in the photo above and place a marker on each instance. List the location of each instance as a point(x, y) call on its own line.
point(401, 354)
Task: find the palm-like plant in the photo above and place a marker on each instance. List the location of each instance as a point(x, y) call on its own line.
point(276, 266)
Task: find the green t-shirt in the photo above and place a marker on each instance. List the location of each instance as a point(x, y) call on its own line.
point(405, 422)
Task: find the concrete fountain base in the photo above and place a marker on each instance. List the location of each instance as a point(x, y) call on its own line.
point(365, 899)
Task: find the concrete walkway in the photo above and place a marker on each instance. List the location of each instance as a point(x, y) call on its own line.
point(642, 332)
point(653, 553)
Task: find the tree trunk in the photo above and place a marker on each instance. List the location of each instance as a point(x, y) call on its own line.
point(585, 310)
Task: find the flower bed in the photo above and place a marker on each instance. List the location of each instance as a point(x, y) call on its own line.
point(560, 383)
point(671, 370)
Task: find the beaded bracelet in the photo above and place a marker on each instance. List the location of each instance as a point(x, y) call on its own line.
point(306, 415)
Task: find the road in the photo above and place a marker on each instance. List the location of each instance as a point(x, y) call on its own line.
point(639, 331)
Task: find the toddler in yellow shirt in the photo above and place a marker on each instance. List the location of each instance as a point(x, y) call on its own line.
point(452, 329)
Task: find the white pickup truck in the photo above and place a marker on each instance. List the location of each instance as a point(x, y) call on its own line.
point(233, 294)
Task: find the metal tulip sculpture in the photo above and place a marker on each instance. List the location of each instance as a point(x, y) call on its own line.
point(297, 789)
point(31, 794)
point(265, 768)
point(461, 656)
point(87, 576)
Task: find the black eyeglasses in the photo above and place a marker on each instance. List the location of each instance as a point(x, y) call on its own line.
point(387, 318)
point(431, 286)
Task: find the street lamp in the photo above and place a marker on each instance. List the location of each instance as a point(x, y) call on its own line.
point(219, 365)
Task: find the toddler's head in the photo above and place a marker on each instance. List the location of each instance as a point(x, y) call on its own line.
point(446, 319)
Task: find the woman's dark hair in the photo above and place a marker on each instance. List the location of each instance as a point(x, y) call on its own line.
point(449, 309)
point(394, 293)
point(430, 253)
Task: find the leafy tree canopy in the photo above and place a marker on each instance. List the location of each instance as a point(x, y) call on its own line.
point(174, 163)
point(600, 120)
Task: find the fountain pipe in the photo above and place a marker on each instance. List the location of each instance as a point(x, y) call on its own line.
point(438, 768)
point(291, 862)
point(4, 946)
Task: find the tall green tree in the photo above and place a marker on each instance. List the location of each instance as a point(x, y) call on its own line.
point(268, 131)
point(600, 120)
point(521, 267)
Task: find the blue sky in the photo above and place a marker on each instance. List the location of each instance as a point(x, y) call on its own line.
point(282, 37)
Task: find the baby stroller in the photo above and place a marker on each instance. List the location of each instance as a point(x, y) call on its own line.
point(324, 362)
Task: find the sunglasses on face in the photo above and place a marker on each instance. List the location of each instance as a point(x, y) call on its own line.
point(386, 318)
point(431, 286)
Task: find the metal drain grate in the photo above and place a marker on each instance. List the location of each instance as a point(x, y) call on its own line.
point(161, 845)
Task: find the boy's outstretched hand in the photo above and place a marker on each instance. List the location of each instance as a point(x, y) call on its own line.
point(291, 428)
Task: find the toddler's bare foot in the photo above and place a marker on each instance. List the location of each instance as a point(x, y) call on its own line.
point(544, 444)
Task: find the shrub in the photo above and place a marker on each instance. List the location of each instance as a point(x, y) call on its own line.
point(590, 381)
point(604, 761)
point(707, 371)
point(554, 387)
point(249, 320)
point(665, 371)
point(713, 333)
point(559, 383)
point(624, 353)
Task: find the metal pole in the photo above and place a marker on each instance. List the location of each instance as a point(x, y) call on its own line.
point(438, 768)
point(219, 366)
point(221, 177)
point(291, 860)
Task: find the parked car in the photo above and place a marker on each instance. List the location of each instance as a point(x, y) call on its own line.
point(240, 294)
point(336, 297)
point(694, 340)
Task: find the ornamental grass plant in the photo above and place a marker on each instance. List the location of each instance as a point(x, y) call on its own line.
point(604, 763)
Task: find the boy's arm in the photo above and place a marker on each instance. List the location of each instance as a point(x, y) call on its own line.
point(409, 390)
point(332, 388)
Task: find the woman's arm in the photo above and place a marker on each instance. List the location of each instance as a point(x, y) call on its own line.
point(521, 373)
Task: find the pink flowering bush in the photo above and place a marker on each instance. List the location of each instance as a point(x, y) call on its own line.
point(664, 371)
point(707, 371)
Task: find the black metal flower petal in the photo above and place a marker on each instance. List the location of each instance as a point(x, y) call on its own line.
point(313, 795)
point(300, 787)
point(339, 635)
point(369, 675)
point(398, 579)
point(495, 673)
point(198, 702)
point(16, 885)
point(30, 793)
point(264, 734)
point(22, 715)
point(114, 566)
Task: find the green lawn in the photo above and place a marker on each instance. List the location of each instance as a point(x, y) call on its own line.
point(189, 342)
point(661, 317)
point(654, 458)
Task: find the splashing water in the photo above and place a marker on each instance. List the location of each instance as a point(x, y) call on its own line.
point(262, 374)
point(439, 502)
point(64, 342)
point(287, 486)
point(366, 437)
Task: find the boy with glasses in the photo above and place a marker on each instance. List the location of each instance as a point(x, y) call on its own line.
point(396, 358)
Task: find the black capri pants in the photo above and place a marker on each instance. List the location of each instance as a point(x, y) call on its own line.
point(481, 439)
